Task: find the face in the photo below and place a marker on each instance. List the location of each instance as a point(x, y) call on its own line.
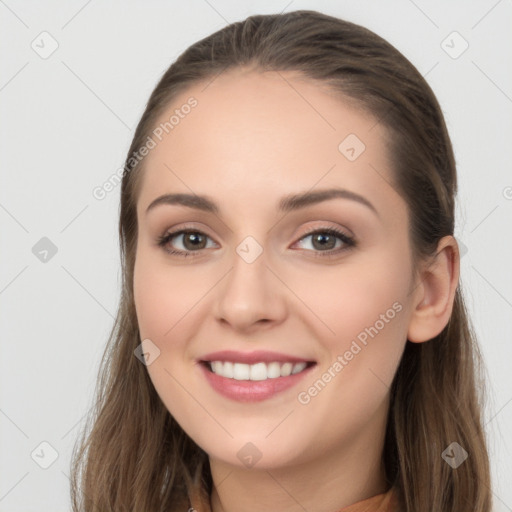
point(325, 281)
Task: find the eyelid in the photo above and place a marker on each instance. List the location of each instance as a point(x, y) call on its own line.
point(322, 225)
point(187, 228)
point(326, 226)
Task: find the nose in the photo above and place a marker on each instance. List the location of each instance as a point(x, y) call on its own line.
point(251, 295)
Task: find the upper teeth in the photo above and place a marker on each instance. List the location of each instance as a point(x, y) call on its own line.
point(258, 371)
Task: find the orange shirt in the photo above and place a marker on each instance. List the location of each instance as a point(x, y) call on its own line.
point(385, 502)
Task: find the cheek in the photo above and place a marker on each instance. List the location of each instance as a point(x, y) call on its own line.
point(164, 298)
point(364, 314)
point(344, 300)
point(368, 314)
point(164, 295)
point(150, 302)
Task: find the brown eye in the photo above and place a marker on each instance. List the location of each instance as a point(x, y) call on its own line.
point(189, 240)
point(194, 240)
point(325, 240)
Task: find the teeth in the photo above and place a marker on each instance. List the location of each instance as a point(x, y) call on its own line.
point(258, 371)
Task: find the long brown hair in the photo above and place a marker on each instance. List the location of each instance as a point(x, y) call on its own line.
point(133, 455)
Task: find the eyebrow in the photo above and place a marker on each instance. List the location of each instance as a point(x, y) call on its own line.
point(286, 204)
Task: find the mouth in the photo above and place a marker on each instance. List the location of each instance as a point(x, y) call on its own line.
point(259, 371)
point(253, 377)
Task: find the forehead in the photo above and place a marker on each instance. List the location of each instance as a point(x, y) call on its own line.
point(253, 132)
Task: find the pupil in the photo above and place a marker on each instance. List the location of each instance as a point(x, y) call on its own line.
point(323, 238)
point(194, 238)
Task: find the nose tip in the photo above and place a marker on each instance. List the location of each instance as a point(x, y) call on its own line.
point(248, 297)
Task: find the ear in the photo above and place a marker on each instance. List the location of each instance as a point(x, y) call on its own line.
point(435, 293)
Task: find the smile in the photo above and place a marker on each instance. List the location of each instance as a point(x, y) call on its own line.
point(255, 382)
point(256, 372)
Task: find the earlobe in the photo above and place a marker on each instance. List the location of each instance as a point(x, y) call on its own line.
point(433, 301)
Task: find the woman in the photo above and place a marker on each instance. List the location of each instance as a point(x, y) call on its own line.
point(291, 334)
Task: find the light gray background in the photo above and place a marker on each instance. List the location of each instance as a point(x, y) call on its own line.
point(66, 123)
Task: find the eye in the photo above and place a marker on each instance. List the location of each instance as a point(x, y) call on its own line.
point(191, 240)
point(322, 240)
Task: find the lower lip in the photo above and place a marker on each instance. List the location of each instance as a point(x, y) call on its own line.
point(252, 390)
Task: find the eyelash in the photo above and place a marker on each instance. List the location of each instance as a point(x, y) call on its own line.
point(349, 242)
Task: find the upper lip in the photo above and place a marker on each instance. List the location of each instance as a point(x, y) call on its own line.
point(258, 356)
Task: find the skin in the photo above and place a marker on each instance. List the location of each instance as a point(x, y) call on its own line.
point(252, 139)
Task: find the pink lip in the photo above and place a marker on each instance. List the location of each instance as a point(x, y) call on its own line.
point(251, 390)
point(259, 356)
